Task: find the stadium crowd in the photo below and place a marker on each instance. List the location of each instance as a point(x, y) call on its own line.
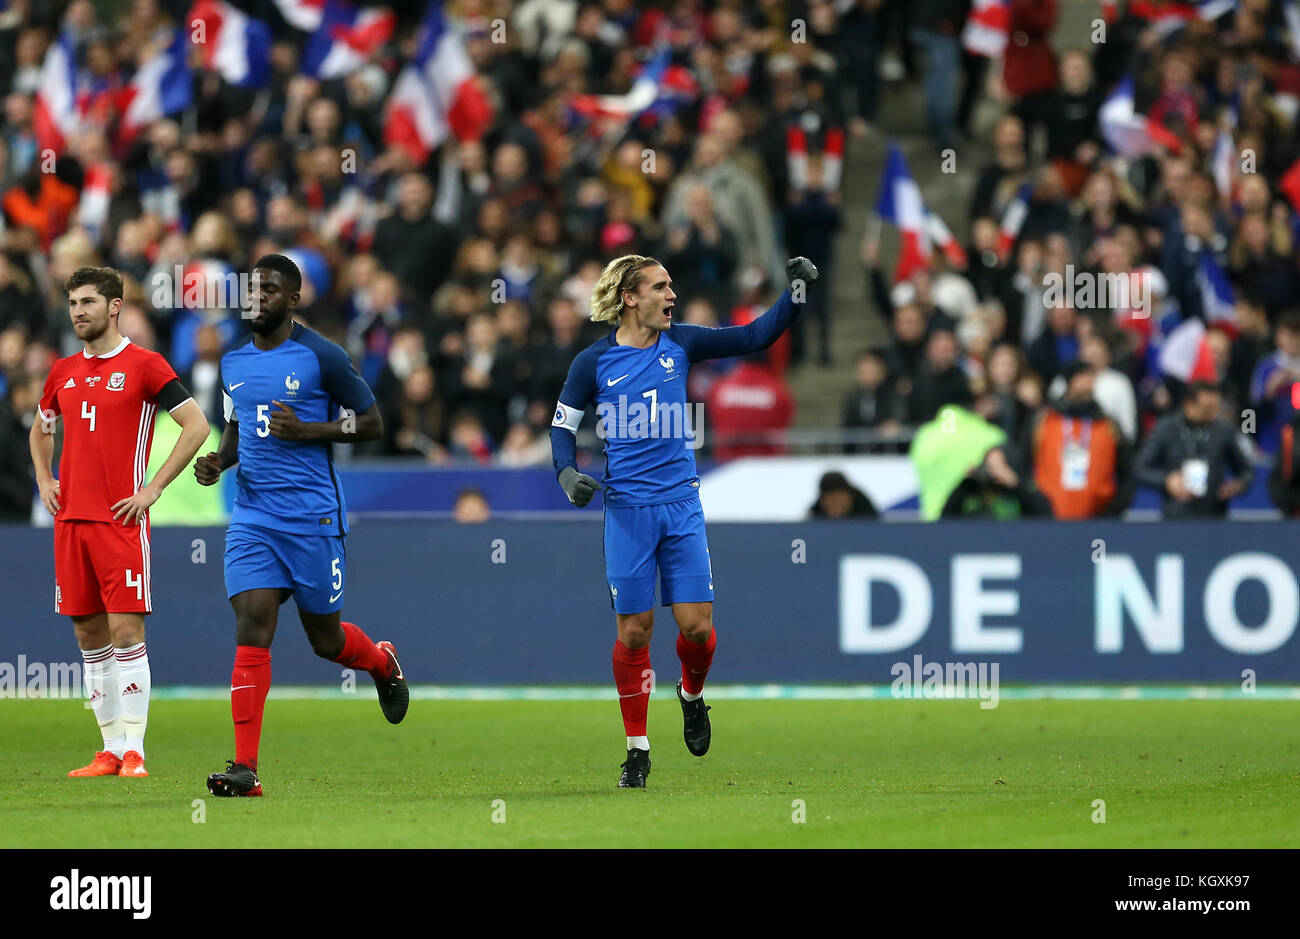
point(1188, 193)
point(458, 277)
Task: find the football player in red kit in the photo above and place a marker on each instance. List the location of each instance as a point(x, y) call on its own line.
point(108, 395)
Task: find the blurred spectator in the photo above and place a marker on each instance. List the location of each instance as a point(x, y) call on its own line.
point(479, 379)
point(524, 446)
point(812, 219)
point(998, 181)
point(735, 196)
point(873, 403)
point(839, 498)
point(1010, 396)
point(1197, 460)
point(937, 34)
point(1272, 385)
point(1284, 480)
point(376, 313)
point(411, 243)
point(699, 251)
point(1071, 117)
point(203, 378)
point(1081, 462)
point(19, 305)
point(1262, 261)
point(905, 353)
point(749, 409)
point(1029, 66)
point(1057, 344)
point(17, 412)
point(945, 450)
point(41, 202)
point(468, 440)
point(415, 418)
point(940, 381)
point(471, 507)
point(994, 490)
point(1111, 389)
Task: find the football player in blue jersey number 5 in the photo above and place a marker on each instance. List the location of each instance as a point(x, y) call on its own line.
point(290, 394)
point(636, 378)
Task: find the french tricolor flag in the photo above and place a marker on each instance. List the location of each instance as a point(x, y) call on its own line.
point(437, 93)
point(1186, 355)
point(161, 86)
point(234, 45)
point(1128, 133)
point(988, 27)
point(941, 237)
point(346, 39)
point(56, 116)
point(1223, 161)
point(1013, 219)
point(96, 193)
point(900, 202)
point(659, 86)
point(302, 14)
point(1218, 301)
point(1167, 18)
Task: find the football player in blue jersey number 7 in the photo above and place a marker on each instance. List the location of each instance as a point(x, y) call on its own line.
point(636, 378)
point(283, 388)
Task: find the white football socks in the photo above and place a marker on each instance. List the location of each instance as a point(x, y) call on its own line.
point(638, 743)
point(99, 677)
point(133, 680)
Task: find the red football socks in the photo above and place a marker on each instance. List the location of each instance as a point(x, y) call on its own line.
point(360, 653)
point(250, 680)
point(696, 660)
point(634, 679)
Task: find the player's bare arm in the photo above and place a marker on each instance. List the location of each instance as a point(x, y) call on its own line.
point(352, 428)
point(41, 443)
point(194, 430)
point(209, 467)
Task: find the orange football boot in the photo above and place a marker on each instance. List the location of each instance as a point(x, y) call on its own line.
point(104, 764)
point(133, 764)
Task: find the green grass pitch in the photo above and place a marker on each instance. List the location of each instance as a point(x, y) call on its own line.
point(878, 773)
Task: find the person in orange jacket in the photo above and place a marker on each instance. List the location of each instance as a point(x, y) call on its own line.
point(1081, 461)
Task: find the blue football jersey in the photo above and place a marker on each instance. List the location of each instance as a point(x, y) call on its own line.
point(289, 485)
point(641, 407)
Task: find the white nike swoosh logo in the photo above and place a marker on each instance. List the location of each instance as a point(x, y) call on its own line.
point(233, 387)
point(635, 694)
point(241, 687)
point(336, 596)
point(614, 381)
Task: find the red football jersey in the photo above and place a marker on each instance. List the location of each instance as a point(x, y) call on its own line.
point(108, 403)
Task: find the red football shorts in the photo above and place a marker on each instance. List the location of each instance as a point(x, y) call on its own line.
point(101, 567)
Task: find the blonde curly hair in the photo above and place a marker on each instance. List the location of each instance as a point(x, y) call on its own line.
point(619, 274)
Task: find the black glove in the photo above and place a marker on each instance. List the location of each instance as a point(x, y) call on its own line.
point(579, 487)
point(801, 268)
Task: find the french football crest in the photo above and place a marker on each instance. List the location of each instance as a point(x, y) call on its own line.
point(666, 362)
point(291, 383)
